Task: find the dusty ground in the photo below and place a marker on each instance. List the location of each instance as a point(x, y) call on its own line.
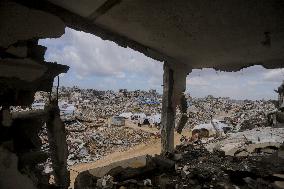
point(151, 148)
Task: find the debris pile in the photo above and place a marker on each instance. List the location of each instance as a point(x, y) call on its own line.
point(195, 168)
point(251, 114)
point(89, 135)
point(240, 114)
point(249, 142)
point(200, 168)
point(86, 112)
point(92, 104)
point(93, 144)
point(87, 144)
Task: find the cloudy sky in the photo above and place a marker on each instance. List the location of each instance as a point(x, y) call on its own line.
point(99, 64)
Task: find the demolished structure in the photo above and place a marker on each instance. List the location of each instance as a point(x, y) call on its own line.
point(188, 34)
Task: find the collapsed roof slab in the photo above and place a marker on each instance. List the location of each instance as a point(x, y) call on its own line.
point(225, 35)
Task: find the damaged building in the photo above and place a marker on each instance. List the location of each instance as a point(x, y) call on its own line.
point(187, 34)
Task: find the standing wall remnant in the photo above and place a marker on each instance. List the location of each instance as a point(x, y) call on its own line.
point(174, 83)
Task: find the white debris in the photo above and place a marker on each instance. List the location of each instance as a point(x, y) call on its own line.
point(249, 140)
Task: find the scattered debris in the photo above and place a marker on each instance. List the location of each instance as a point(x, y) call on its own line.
point(198, 168)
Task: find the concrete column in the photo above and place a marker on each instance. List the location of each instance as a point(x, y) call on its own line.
point(168, 111)
point(58, 145)
point(174, 81)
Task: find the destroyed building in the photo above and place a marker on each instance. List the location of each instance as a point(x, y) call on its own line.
point(185, 35)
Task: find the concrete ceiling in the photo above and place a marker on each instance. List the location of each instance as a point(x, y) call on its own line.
point(223, 34)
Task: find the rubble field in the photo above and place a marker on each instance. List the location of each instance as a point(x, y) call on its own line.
point(93, 145)
point(90, 144)
point(232, 159)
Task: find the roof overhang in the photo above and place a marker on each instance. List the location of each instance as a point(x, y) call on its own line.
point(223, 34)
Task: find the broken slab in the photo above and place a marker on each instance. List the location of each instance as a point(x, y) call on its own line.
point(124, 172)
point(249, 142)
point(136, 162)
point(254, 148)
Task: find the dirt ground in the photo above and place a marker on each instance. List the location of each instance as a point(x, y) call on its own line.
point(151, 148)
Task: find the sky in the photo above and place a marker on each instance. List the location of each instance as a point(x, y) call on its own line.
point(103, 65)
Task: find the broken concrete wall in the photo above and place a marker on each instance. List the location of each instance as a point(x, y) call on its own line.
point(11, 178)
point(23, 71)
point(22, 67)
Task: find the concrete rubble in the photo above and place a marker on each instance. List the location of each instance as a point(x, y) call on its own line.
point(93, 144)
point(197, 168)
point(240, 114)
point(247, 152)
point(23, 72)
point(89, 134)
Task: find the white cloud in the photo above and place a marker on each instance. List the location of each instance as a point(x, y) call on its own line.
point(273, 75)
point(196, 81)
point(89, 55)
point(254, 82)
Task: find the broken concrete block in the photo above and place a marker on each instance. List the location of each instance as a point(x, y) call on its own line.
point(185, 171)
point(164, 164)
point(147, 182)
point(105, 182)
point(177, 157)
point(136, 162)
